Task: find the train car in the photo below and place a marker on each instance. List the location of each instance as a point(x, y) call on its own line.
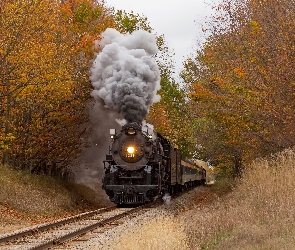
point(142, 165)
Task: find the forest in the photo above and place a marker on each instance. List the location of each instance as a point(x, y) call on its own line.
point(236, 102)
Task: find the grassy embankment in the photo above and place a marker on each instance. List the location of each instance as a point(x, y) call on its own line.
point(259, 213)
point(26, 199)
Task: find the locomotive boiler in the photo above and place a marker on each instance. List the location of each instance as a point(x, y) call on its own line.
point(142, 164)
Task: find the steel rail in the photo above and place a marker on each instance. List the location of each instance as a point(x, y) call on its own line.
point(47, 226)
point(82, 231)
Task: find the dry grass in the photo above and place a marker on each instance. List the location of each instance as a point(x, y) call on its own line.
point(258, 214)
point(31, 194)
point(162, 232)
point(27, 198)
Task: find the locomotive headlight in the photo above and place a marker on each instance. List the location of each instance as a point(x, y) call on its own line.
point(130, 150)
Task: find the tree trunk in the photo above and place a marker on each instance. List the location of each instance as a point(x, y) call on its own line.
point(237, 166)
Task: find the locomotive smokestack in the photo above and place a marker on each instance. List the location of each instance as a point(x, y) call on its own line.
point(124, 74)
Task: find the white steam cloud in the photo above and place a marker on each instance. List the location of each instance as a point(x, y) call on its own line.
point(125, 75)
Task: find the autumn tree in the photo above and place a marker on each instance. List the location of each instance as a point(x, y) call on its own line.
point(129, 22)
point(241, 82)
point(44, 57)
point(25, 64)
point(171, 116)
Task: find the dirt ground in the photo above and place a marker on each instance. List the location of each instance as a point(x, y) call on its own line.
point(12, 220)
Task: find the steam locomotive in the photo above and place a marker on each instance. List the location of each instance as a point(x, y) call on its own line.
point(142, 165)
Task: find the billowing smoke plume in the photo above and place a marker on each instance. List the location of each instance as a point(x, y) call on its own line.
point(124, 74)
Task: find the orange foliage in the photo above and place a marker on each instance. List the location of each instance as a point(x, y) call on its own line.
point(242, 79)
point(45, 49)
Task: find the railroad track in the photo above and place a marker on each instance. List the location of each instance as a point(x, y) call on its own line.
point(49, 235)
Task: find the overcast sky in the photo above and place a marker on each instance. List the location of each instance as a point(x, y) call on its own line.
point(179, 21)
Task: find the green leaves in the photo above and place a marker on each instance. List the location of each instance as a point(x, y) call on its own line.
point(86, 11)
point(129, 22)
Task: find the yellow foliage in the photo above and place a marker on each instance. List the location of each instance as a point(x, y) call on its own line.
point(240, 72)
point(200, 93)
point(44, 59)
point(255, 27)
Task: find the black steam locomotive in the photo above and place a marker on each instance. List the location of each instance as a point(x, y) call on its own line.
point(142, 165)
